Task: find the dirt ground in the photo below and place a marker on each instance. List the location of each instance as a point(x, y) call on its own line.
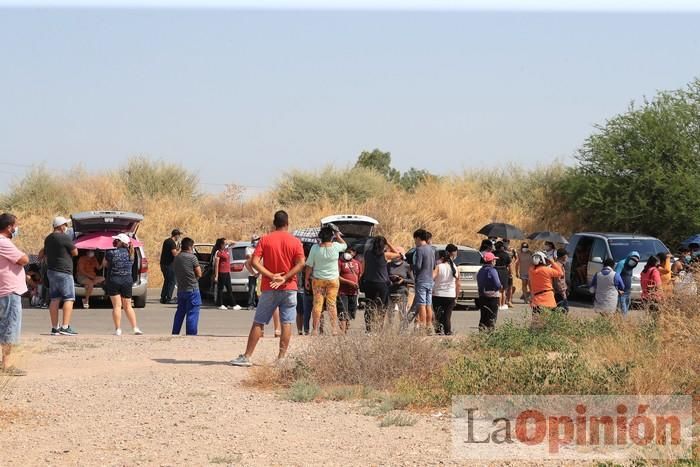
point(161, 400)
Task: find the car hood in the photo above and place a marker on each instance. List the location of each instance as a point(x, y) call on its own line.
point(105, 221)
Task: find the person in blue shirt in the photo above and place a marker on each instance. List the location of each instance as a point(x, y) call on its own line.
point(423, 266)
point(489, 286)
point(625, 269)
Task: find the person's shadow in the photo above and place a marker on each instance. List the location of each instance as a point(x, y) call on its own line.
point(172, 361)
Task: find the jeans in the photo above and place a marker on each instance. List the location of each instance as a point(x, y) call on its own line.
point(562, 302)
point(61, 286)
point(270, 300)
point(625, 301)
point(166, 293)
point(224, 281)
point(188, 305)
point(252, 294)
point(377, 292)
point(347, 306)
point(10, 318)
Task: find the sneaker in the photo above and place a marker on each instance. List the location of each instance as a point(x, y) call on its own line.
point(223, 307)
point(242, 360)
point(237, 308)
point(138, 331)
point(68, 331)
point(55, 332)
point(12, 371)
point(118, 332)
point(86, 306)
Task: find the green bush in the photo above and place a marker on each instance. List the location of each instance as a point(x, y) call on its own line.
point(38, 187)
point(303, 391)
point(352, 185)
point(146, 179)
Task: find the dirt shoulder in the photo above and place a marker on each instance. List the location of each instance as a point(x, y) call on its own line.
point(157, 400)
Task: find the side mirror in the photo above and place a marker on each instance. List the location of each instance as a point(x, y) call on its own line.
point(597, 259)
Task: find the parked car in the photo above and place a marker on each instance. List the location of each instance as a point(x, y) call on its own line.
point(588, 250)
point(468, 264)
point(357, 230)
point(93, 230)
point(239, 273)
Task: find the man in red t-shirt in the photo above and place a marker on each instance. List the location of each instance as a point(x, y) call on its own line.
point(278, 257)
point(350, 272)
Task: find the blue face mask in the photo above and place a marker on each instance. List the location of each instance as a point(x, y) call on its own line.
point(687, 259)
point(15, 233)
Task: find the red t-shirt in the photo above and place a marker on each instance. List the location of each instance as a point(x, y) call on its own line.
point(224, 261)
point(279, 251)
point(349, 270)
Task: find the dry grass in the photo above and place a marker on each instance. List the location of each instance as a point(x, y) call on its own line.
point(457, 206)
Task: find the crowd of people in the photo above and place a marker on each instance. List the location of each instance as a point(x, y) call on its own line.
point(291, 283)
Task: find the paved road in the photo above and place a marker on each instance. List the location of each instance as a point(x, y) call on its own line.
point(156, 319)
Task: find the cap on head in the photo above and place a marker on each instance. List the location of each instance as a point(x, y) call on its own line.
point(175, 232)
point(488, 257)
point(524, 245)
point(122, 237)
point(58, 221)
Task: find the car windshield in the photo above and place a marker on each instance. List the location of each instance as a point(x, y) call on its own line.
point(238, 253)
point(621, 247)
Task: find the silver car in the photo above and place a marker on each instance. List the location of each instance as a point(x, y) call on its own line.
point(239, 273)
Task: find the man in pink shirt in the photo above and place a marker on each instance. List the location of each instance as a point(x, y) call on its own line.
point(13, 283)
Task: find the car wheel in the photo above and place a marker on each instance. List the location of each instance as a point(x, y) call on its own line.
point(140, 301)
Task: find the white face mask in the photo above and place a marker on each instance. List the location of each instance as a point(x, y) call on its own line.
point(90, 254)
point(525, 250)
point(347, 256)
point(15, 233)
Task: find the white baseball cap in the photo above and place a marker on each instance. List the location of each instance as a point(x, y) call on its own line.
point(59, 221)
point(122, 237)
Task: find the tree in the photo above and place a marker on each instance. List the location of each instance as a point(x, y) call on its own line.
point(641, 171)
point(380, 162)
point(413, 177)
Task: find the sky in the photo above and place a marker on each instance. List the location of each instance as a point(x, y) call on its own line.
point(242, 94)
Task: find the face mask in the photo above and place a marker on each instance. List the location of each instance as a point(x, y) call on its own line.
point(347, 256)
point(398, 261)
point(688, 258)
point(15, 233)
point(632, 263)
point(525, 250)
point(90, 254)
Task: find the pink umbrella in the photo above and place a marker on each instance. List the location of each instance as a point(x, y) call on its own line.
point(99, 241)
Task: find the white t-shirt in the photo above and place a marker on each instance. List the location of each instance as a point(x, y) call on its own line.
point(249, 250)
point(445, 282)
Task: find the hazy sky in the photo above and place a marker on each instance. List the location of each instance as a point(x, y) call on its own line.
point(240, 95)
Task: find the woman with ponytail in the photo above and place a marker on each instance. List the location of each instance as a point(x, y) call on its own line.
point(445, 290)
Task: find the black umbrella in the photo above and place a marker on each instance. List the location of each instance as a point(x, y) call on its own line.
point(501, 230)
point(547, 236)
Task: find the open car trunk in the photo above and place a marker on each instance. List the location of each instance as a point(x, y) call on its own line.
point(106, 221)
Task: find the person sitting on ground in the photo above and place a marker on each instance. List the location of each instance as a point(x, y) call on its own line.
point(489, 286)
point(446, 289)
point(625, 268)
point(87, 275)
point(542, 274)
point(322, 272)
point(607, 287)
point(350, 272)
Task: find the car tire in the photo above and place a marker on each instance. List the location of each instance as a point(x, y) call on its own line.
point(140, 301)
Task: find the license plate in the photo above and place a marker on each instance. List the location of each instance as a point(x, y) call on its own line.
point(467, 276)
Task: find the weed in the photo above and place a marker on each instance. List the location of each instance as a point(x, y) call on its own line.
point(398, 419)
point(303, 391)
point(228, 459)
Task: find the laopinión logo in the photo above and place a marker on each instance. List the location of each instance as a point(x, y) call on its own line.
point(572, 427)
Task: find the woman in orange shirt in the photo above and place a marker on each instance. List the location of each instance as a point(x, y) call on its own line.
point(542, 274)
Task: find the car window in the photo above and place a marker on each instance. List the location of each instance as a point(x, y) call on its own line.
point(621, 247)
point(599, 249)
point(238, 253)
point(466, 257)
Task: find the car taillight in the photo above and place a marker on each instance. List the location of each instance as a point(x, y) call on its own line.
point(237, 267)
point(144, 266)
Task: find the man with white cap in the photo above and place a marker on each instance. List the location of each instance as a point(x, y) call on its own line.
point(59, 250)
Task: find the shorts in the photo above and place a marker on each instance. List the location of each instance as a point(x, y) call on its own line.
point(125, 289)
point(504, 277)
point(347, 307)
point(10, 318)
point(61, 286)
point(524, 276)
point(424, 294)
point(270, 300)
